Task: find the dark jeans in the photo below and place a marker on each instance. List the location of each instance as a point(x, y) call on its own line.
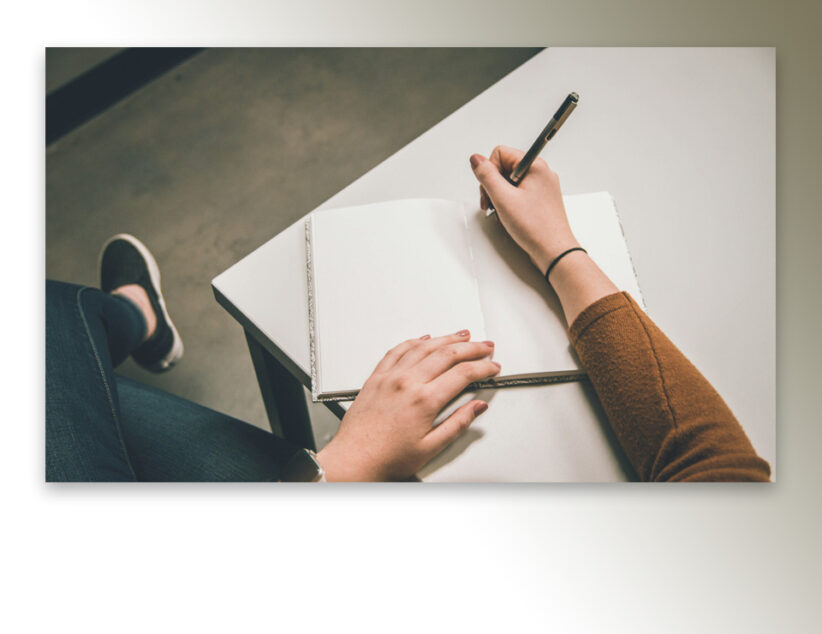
point(103, 427)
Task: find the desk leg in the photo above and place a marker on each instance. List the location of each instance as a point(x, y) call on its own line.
point(283, 397)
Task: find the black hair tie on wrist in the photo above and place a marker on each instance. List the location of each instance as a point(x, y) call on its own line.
point(559, 257)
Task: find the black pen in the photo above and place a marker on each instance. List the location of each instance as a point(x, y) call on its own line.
point(562, 113)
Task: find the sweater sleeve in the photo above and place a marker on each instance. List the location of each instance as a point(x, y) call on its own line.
point(670, 421)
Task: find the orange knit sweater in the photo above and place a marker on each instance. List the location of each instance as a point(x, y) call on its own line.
point(670, 421)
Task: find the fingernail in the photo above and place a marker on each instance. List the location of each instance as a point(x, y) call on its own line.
point(499, 367)
point(480, 407)
point(462, 333)
point(425, 337)
point(490, 344)
point(476, 159)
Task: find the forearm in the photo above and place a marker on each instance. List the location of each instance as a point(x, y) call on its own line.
point(578, 282)
point(669, 420)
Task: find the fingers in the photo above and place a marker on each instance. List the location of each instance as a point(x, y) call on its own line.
point(450, 429)
point(446, 364)
point(397, 352)
point(506, 158)
point(417, 353)
point(446, 357)
point(446, 386)
point(488, 174)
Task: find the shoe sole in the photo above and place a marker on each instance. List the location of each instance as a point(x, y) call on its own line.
point(176, 351)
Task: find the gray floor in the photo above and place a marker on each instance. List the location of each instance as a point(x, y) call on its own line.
point(214, 158)
point(65, 64)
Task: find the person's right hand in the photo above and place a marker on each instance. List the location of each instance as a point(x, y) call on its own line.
point(388, 433)
point(533, 214)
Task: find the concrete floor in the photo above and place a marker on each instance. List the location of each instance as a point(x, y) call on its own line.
point(65, 64)
point(222, 153)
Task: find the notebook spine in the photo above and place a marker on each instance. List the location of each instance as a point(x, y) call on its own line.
point(313, 346)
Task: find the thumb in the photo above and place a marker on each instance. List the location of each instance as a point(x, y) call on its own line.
point(489, 176)
point(450, 429)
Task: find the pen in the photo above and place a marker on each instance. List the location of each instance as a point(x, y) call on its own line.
point(562, 113)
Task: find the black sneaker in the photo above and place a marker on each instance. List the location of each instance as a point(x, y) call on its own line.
point(126, 260)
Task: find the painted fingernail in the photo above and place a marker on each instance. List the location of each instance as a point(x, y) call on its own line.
point(490, 344)
point(480, 407)
point(462, 333)
point(499, 367)
point(476, 159)
point(425, 337)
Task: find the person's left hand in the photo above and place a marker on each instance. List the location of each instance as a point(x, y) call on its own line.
point(388, 433)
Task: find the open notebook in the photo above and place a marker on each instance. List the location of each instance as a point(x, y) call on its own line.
point(382, 273)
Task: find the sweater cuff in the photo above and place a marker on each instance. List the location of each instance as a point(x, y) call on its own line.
point(595, 311)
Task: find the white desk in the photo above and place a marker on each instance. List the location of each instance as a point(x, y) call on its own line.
point(684, 139)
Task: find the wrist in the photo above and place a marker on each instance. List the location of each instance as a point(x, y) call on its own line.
point(329, 462)
point(342, 466)
point(544, 256)
point(566, 264)
point(578, 282)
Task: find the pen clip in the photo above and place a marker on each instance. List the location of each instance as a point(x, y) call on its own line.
point(564, 111)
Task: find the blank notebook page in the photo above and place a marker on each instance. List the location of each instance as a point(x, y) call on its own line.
point(384, 273)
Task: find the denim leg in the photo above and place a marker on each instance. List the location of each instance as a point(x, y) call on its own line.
point(171, 439)
point(87, 334)
point(101, 427)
